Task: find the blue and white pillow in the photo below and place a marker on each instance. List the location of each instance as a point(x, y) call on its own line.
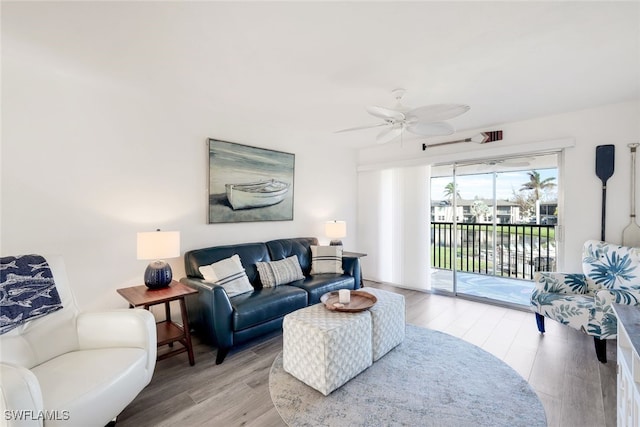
point(228, 273)
point(28, 290)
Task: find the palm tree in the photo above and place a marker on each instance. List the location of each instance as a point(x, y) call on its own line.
point(536, 185)
point(450, 189)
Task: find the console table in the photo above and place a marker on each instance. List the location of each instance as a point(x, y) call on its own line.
point(628, 393)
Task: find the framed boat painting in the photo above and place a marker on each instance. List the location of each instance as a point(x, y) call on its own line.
point(248, 184)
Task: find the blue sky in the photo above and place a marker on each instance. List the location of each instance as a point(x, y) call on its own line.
point(481, 185)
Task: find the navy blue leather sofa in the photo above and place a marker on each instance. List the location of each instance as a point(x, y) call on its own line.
point(226, 322)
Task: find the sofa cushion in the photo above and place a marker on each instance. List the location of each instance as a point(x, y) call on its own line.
point(274, 273)
point(249, 254)
point(229, 274)
point(284, 248)
point(260, 306)
point(318, 285)
point(326, 259)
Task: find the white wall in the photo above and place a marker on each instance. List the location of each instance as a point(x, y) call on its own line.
point(582, 189)
point(89, 158)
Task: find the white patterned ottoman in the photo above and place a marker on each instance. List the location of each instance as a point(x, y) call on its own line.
point(324, 349)
point(387, 321)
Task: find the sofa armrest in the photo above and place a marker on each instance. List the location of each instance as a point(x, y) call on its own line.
point(351, 266)
point(560, 283)
point(213, 311)
point(20, 397)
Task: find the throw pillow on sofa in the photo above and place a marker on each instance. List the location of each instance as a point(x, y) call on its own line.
point(326, 259)
point(281, 272)
point(229, 274)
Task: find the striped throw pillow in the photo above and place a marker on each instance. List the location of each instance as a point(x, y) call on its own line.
point(281, 272)
point(229, 274)
point(326, 259)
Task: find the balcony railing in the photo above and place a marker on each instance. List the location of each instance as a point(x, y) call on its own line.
point(520, 249)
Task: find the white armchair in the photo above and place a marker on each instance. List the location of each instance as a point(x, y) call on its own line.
point(75, 369)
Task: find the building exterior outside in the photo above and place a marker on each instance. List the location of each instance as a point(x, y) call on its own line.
point(480, 211)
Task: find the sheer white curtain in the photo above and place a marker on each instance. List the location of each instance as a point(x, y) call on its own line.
point(393, 225)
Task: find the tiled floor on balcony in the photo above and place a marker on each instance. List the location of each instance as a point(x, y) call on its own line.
point(499, 289)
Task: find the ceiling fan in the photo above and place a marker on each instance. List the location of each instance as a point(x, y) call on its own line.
point(428, 120)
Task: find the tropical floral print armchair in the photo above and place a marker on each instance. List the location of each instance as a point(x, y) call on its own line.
point(611, 274)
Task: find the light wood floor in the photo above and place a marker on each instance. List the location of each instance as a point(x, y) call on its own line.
point(561, 366)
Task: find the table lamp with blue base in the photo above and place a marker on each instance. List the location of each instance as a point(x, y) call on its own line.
point(157, 246)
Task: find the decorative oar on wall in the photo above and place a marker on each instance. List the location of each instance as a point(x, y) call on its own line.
point(631, 233)
point(605, 159)
point(481, 138)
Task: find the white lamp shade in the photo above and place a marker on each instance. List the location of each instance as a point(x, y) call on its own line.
point(335, 229)
point(158, 245)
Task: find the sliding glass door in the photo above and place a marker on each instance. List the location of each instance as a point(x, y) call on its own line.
point(445, 215)
point(493, 226)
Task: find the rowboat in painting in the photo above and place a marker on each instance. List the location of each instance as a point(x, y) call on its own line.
point(256, 194)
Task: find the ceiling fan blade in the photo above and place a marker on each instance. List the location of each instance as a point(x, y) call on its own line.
point(385, 113)
point(362, 127)
point(437, 112)
point(388, 135)
point(430, 129)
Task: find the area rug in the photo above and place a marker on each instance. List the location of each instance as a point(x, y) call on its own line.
point(431, 379)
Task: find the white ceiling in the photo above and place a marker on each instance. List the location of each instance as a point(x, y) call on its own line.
point(313, 67)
